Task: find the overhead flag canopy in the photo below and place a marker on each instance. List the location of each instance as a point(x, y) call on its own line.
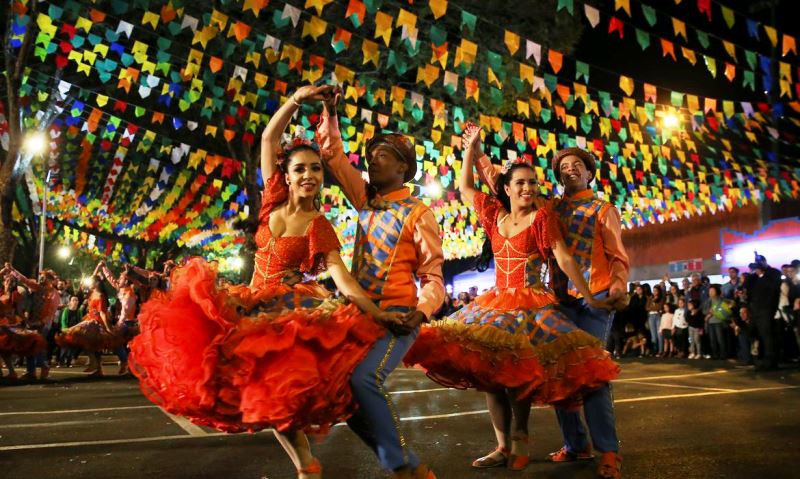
point(160, 105)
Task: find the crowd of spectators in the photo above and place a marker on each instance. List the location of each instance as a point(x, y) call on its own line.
point(753, 317)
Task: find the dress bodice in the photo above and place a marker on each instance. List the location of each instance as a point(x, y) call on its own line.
point(284, 260)
point(520, 259)
point(8, 307)
point(97, 305)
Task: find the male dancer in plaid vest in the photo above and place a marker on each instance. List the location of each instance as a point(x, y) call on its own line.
point(397, 240)
point(592, 232)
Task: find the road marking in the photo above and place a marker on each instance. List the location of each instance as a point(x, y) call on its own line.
point(102, 442)
point(708, 393)
point(71, 411)
point(48, 424)
point(410, 418)
point(646, 383)
point(414, 391)
point(673, 376)
point(186, 425)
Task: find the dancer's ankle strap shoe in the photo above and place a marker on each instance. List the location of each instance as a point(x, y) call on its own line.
point(420, 472)
point(563, 455)
point(496, 458)
point(610, 466)
point(314, 468)
point(518, 462)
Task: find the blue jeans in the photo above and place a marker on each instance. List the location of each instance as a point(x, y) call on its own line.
point(716, 336)
point(376, 422)
point(38, 360)
point(654, 320)
point(744, 346)
point(598, 405)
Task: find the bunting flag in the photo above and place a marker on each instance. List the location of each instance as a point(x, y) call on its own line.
point(148, 154)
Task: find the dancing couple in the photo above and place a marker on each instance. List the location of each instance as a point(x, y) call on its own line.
point(280, 353)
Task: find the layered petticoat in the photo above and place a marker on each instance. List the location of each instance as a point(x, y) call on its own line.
point(514, 338)
point(15, 339)
point(237, 359)
point(90, 335)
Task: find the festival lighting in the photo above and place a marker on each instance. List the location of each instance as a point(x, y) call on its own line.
point(434, 189)
point(236, 263)
point(35, 143)
point(671, 120)
point(63, 252)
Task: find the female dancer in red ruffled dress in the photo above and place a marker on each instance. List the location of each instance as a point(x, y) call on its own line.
point(280, 352)
point(511, 341)
point(94, 333)
point(15, 339)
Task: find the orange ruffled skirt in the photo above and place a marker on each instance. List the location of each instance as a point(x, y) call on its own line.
point(20, 341)
point(90, 335)
point(239, 360)
point(516, 339)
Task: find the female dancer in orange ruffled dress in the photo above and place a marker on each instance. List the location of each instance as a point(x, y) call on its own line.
point(15, 339)
point(94, 333)
point(511, 341)
point(279, 352)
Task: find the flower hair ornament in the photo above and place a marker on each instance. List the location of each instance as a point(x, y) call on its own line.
point(292, 142)
point(520, 160)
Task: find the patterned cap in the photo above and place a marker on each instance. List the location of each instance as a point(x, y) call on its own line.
point(587, 158)
point(401, 147)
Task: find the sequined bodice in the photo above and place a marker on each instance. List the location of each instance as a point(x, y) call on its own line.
point(518, 263)
point(8, 306)
point(278, 260)
point(96, 306)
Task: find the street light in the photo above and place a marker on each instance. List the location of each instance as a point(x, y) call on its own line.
point(63, 252)
point(35, 143)
point(43, 219)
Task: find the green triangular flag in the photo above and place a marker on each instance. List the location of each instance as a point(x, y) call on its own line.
point(649, 14)
point(468, 22)
point(643, 38)
point(751, 58)
point(568, 4)
point(702, 37)
point(438, 35)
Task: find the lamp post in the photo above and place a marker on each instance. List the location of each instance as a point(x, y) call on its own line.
point(43, 219)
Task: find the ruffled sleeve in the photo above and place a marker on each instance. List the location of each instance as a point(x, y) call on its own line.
point(322, 240)
point(546, 230)
point(488, 208)
point(275, 192)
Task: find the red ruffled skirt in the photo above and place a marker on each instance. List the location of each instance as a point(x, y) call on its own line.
point(239, 360)
point(20, 341)
point(90, 335)
point(516, 339)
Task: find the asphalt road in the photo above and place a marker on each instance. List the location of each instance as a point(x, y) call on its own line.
point(676, 419)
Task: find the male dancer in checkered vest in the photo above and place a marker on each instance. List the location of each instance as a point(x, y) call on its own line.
point(397, 240)
point(592, 232)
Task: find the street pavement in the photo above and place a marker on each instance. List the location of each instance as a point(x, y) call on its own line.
point(676, 419)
